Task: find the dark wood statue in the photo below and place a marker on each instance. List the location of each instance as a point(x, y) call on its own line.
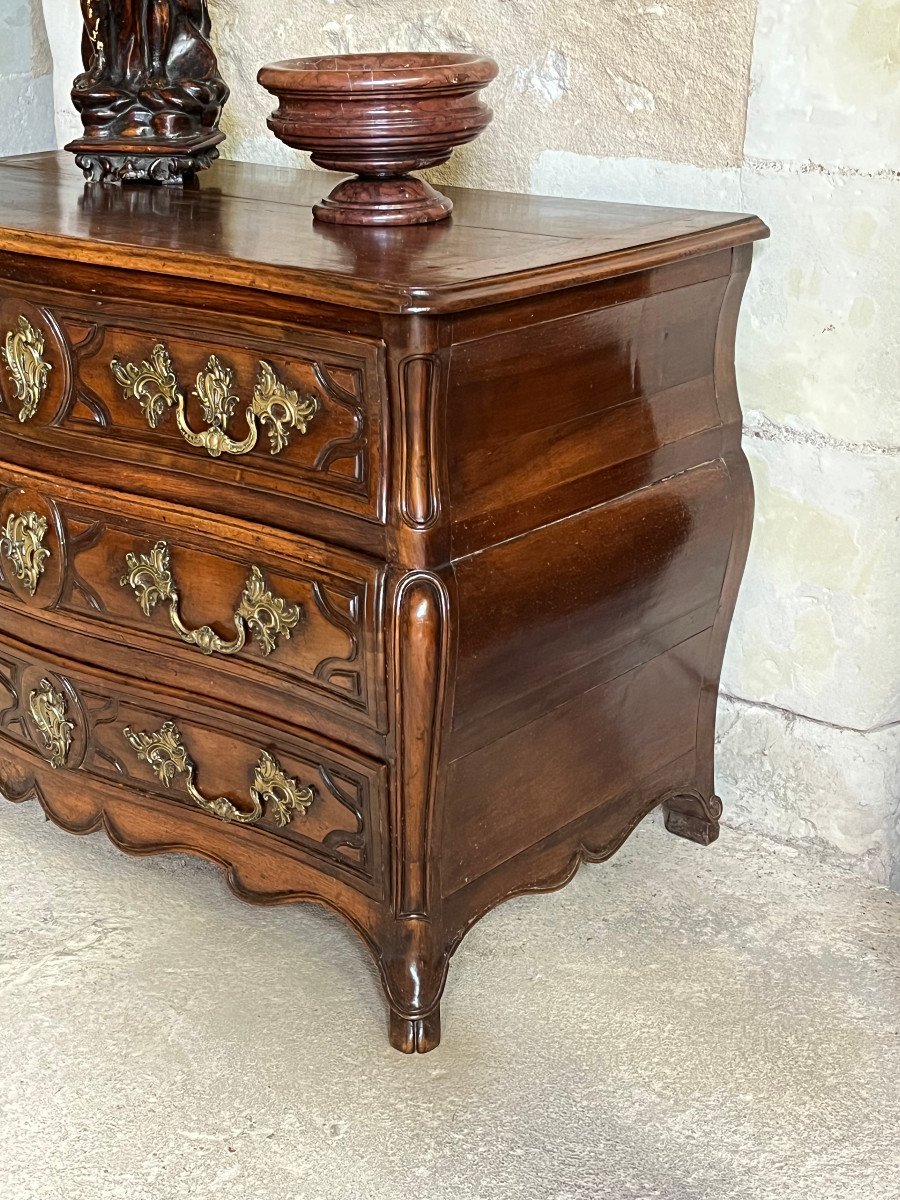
point(150, 96)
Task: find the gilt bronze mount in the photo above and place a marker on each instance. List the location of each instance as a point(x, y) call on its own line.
point(22, 542)
point(47, 708)
point(274, 794)
point(267, 617)
point(23, 354)
point(274, 405)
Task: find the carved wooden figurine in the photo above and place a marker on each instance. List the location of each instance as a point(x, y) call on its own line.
point(150, 96)
point(386, 568)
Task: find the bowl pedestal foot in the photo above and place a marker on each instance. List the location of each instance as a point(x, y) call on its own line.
point(399, 200)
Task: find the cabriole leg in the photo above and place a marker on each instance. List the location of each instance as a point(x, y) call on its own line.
point(413, 976)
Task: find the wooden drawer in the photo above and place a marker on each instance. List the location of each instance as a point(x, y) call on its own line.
point(219, 605)
point(261, 781)
point(239, 416)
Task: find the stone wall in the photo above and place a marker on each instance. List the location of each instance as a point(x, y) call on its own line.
point(787, 108)
point(26, 79)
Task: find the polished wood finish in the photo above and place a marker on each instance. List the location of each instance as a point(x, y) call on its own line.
point(244, 227)
point(150, 96)
point(381, 116)
point(509, 541)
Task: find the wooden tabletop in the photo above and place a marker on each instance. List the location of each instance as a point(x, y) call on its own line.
point(252, 226)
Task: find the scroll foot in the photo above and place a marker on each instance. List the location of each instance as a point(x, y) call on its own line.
point(693, 817)
point(417, 1035)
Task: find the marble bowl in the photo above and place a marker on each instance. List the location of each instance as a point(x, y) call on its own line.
point(380, 116)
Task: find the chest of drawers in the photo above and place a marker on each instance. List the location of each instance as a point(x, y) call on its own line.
point(389, 569)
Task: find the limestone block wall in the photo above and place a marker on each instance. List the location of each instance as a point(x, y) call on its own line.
point(786, 108)
point(26, 79)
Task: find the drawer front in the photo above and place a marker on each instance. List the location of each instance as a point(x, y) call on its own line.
point(238, 409)
point(322, 802)
point(283, 614)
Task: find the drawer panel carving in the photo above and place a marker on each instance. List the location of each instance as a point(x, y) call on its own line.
point(325, 802)
point(297, 617)
point(271, 410)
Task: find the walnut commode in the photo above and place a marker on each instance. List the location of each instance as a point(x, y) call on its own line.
point(389, 569)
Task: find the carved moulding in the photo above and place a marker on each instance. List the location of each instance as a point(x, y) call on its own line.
point(267, 870)
point(421, 646)
point(340, 672)
point(150, 96)
point(148, 166)
point(351, 446)
point(262, 618)
point(332, 399)
point(65, 724)
point(419, 496)
point(276, 407)
point(262, 872)
point(550, 865)
point(23, 354)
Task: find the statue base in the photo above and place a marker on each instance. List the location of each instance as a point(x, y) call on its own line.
point(145, 160)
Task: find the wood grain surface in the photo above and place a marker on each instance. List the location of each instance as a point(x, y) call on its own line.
point(512, 535)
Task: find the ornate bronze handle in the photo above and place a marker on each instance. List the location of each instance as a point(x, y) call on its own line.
point(23, 354)
point(267, 617)
point(273, 792)
point(23, 544)
point(154, 386)
point(48, 711)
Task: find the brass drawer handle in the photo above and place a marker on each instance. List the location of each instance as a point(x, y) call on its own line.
point(23, 354)
point(154, 386)
point(267, 617)
point(273, 792)
point(23, 544)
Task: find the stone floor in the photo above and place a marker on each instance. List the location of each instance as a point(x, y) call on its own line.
point(680, 1023)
